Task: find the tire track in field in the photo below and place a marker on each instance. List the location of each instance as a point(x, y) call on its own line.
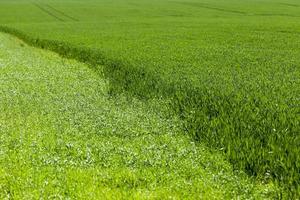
point(289, 4)
point(201, 5)
point(206, 6)
point(48, 12)
point(61, 13)
point(273, 15)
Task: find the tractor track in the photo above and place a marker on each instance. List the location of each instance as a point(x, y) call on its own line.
point(61, 13)
point(55, 13)
point(48, 12)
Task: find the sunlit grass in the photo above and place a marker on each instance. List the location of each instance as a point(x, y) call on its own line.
point(228, 69)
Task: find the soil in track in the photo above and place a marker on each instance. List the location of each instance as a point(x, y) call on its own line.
point(63, 136)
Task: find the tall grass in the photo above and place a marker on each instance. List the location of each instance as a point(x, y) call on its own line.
point(256, 124)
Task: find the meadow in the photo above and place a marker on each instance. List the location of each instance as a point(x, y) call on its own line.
point(228, 70)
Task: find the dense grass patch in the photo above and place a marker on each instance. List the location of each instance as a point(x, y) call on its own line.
point(63, 136)
point(229, 69)
point(257, 134)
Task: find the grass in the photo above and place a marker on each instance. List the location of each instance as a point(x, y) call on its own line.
point(63, 136)
point(229, 69)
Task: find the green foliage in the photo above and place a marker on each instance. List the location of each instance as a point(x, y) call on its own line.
point(64, 137)
point(229, 69)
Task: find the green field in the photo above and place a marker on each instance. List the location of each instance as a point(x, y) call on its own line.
point(217, 79)
point(63, 136)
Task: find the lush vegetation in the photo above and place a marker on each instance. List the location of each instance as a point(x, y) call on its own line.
point(64, 136)
point(229, 70)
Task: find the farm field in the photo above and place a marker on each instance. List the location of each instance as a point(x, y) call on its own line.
point(63, 136)
point(226, 72)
